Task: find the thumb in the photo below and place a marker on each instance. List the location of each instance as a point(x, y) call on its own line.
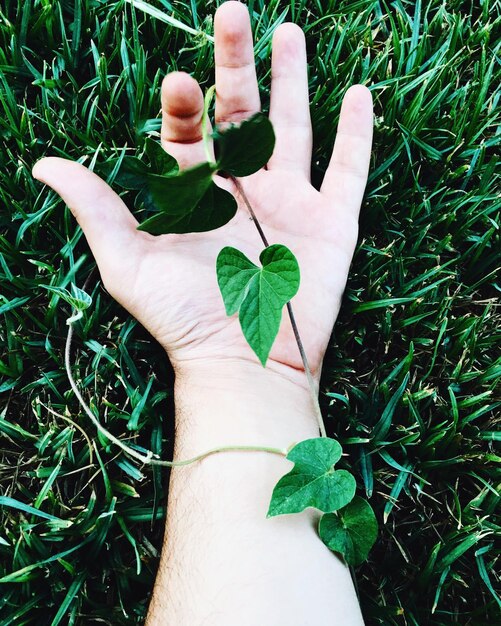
point(107, 223)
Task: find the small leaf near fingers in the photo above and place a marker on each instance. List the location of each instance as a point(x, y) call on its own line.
point(131, 172)
point(161, 161)
point(313, 482)
point(351, 531)
point(259, 294)
point(214, 209)
point(245, 148)
point(180, 194)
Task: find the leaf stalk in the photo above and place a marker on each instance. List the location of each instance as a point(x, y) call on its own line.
point(205, 122)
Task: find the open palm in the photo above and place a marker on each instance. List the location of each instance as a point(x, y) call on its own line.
point(168, 282)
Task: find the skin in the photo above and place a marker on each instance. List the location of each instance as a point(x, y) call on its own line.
point(223, 395)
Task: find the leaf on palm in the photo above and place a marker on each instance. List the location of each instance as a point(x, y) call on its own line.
point(214, 208)
point(245, 148)
point(258, 293)
point(161, 162)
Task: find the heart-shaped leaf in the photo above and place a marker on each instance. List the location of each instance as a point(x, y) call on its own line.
point(351, 531)
point(244, 148)
point(259, 294)
point(313, 481)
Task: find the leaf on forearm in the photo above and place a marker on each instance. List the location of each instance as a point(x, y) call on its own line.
point(313, 481)
point(245, 148)
point(351, 531)
point(259, 294)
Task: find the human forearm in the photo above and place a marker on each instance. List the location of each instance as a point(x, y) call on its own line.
point(224, 562)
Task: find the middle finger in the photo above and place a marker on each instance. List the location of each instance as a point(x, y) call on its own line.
point(237, 92)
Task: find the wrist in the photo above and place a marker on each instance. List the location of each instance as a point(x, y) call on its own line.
point(235, 371)
point(234, 402)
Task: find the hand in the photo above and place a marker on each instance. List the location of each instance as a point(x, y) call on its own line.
point(169, 282)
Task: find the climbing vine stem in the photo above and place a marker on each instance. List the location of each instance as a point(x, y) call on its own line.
point(149, 458)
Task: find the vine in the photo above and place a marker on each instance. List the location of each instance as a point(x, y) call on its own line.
point(190, 201)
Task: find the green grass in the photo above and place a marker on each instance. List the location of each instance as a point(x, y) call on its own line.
point(411, 380)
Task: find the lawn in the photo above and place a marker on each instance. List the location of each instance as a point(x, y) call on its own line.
point(411, 379)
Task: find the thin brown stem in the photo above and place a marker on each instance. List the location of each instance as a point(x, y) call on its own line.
point(241, 191)
point(297, 336)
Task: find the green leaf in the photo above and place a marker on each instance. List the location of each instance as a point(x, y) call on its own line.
point(258, 293)
point(234, 271)
point(351, 531)
point(161, 162)
point(313, 481)
point(213, 210)
point(79, 299)
point(179, 194)
point(131, 173)
point(190, 201)
point(245, 148)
